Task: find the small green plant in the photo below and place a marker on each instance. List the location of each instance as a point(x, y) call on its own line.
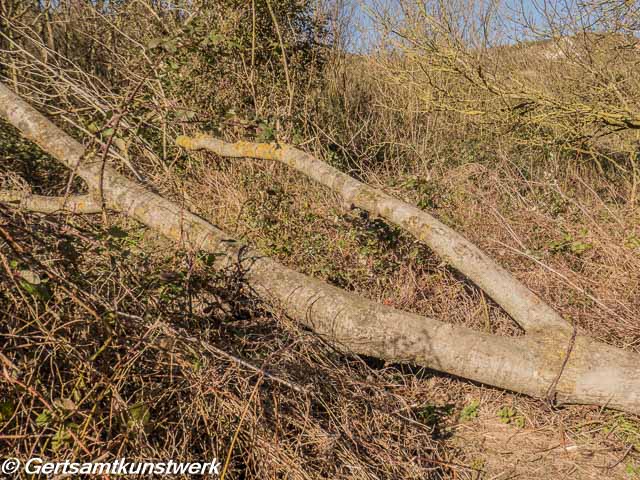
point(7, 408)
point(196, 364)
point(632, 470)
point(44, 418)
point(470, 411)
point(34, 285)
point(632, 242)
point(625, 430)
point(61, 438)
point(139, 416)
point(569, 244)
point(432, 415)
point(508, 415)
point(266, 132)
point(429, 194)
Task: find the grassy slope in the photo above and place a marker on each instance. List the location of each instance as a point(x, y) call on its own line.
point(151, 384)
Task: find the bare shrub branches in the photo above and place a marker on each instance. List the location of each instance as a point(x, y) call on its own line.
point(570, 78)
point(150, 382)
point(536, 364)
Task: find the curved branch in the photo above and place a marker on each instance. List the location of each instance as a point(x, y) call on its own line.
point(43, 204)
point(594, 374)
point(524, 306)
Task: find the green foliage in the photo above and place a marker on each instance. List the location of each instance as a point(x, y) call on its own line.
point(60, 439)
point(632, 470)
point(217, 62)
point(266, 133)
point(570, 244)
point(625, 429)
point(32, 284)
point(429, 194)
point(508, 415)
point(470, 411)
point(139, 415)
point(434, 415)
point(43, 418)
point(26, 159)
point(7, 408)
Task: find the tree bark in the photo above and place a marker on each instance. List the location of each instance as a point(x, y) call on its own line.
point(524, 306)
point(593, 373)
point(44, 204)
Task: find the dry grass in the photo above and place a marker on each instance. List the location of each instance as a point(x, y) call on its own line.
point(122, 347)
point(130, 354)
point(563, 228)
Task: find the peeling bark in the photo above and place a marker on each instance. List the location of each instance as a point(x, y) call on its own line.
point(524, 306)
point(594, 373)
point(44, 204)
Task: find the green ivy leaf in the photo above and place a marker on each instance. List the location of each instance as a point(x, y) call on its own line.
point(44, 418)
point(60, 438)
point(7, 409)
point(215, 38)
point(139, 414)
point(40, 291)
point(470, 411)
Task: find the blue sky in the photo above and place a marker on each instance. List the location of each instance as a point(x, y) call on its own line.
point(365, 28)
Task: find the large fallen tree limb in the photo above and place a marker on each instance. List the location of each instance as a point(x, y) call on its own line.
point(524, 306)
point(594, 373)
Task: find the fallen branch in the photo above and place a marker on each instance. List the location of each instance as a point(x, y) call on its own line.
point(524, 306)
point(594, 373)
point(45, 204)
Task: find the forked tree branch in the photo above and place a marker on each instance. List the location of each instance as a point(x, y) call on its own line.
point(524, 306)
point(594, 373)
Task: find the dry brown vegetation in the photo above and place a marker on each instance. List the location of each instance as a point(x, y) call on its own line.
point(115, 344)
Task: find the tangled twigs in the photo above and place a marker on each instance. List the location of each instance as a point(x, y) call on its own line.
point(595, 373)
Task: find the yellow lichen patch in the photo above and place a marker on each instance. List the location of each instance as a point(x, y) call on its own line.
point(185, 142)
point(82, 205)
point(11, 196)
point(258, 150)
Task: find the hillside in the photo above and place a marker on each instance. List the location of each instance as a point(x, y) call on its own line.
point(118, 342)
